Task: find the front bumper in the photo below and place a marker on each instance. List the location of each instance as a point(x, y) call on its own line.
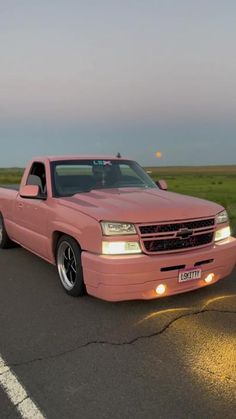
point(117, 278)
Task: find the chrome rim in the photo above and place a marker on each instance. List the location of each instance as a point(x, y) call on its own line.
point(1, 229)
point(66, 263)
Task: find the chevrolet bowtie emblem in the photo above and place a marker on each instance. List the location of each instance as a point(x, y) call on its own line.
point(184, 233)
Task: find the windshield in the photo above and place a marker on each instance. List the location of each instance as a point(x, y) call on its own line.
point(72, 176)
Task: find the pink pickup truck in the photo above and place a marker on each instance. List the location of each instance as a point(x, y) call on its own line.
point(113, 232)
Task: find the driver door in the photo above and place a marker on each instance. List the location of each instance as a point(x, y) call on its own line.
point(31, 215)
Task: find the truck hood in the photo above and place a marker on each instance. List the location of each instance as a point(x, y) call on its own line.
point(140, 205)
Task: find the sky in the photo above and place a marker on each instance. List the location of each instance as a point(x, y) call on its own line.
point(134, 76)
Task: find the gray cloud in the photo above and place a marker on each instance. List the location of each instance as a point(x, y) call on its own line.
point(136, 76)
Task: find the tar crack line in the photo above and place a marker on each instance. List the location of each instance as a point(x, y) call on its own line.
point(129, 342)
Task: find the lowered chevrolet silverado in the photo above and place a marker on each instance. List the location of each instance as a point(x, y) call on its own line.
point(113, 232)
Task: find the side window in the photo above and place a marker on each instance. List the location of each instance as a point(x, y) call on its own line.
point(37, 176)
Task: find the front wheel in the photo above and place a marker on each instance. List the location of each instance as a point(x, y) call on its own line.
point(69, 266)
point(5, 241)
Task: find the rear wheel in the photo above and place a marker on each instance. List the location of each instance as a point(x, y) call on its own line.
point(69, 266)
point(5, 241)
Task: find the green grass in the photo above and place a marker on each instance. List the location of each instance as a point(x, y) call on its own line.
point(10, 176)
point(215, 183)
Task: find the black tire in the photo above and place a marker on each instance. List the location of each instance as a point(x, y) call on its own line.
point(68, 259)
point(5, 241)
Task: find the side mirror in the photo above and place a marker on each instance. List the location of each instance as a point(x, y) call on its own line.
point(162, 184)
point(30, 191)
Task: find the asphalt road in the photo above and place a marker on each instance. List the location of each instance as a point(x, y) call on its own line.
point(84, 358)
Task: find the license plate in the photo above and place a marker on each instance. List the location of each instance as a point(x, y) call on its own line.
point(189, 275)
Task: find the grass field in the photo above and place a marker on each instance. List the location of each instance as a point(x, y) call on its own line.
point(216, 183)
point(10, 176)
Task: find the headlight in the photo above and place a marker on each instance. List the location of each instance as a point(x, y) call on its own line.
point(117, 229)
point(222, 217)
point(120, 248)
point(222, 234)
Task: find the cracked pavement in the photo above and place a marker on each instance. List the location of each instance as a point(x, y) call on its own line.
point(84, 358)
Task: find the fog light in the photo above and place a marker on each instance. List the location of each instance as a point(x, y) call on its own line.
point(209, 278)
point(161, 289)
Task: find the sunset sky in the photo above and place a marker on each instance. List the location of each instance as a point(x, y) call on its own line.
point(106, 76)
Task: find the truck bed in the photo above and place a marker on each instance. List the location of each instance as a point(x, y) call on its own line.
point(12, 187)
point(8, 195)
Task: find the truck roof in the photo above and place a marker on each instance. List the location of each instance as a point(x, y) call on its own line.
point(78, 157)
